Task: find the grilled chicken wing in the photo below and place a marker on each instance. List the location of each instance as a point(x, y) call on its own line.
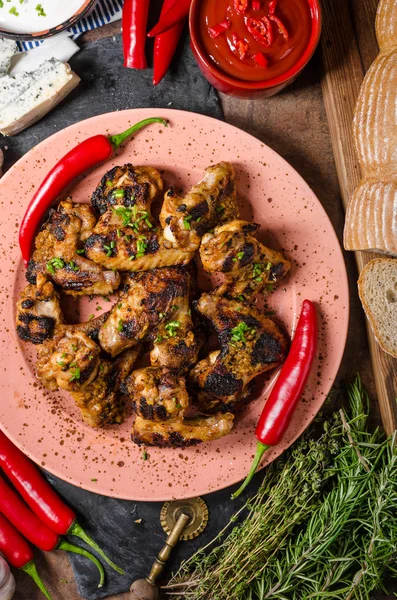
point(154, 306)
point(177, 433)
point(70, 361)
point(126, 236)
point(211, 202)
point(248, 266)
point(156, 393)
point(57, 248)
point(101, 403)
point(38, 311)
point(250, 344)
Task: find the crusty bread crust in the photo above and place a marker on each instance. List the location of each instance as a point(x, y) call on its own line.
point(371, 271)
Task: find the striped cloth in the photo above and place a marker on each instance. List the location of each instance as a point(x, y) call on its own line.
point(104, 11)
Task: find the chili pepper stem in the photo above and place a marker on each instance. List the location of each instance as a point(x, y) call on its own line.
point(260, 451)
point(30, 569)
point(64, 545)
point(78, 531)
point(118, 139)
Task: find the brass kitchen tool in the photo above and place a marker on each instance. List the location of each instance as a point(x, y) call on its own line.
point(182, 519)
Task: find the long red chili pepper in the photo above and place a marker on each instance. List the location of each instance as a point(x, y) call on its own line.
point(85, 155)
point(41, 497)
point(18, 552)
point(34, 530)
point(165, 45)
point(134, 21)
point(288, 388)
point(176, 12)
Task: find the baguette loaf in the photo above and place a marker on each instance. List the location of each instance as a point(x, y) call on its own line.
point(377, 287)
point(371, 218)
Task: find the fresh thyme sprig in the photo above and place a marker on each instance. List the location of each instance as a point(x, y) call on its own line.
point(316, 528)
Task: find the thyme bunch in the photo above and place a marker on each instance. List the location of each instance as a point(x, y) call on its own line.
point(322, 525)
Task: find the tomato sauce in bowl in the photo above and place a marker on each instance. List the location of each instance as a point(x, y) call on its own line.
point(257, 43)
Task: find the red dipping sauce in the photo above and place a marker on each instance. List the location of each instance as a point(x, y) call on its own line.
point(281, 55)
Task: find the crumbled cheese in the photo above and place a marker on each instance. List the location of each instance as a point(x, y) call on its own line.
point(25, 98)
point(7, 50)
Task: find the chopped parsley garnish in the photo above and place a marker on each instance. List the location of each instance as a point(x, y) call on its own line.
point(159, 338)
point(73, 346)
point(172, 328)
point(13, 11)
point(91, 317)
point(240, 255)
point(268, 266)
point(40, 11)
point(109, 183)
point(124, 213)
point(80, 251)
point(220, 208)
point(120, 325)
point(118, 193)
point(119, 305)
point(186, 220)
point(101, 368)
point(60, 362)
point(144, 455)
point(118, 232)
point(109, 248)
point(177, 404)
point(55, 263)
point(73, 266)
point(257, 272)
point(238, 332)
point(132, 217)
point(76, 374)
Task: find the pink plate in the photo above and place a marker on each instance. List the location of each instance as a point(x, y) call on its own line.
point(48, 427)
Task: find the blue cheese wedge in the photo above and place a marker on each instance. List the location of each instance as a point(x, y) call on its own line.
point(7, 50)
point(27, 97)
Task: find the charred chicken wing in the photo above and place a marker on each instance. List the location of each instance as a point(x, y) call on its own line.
point(156, 393)
point(181, 432)
point(247, 265)
point(126, 236)
point(58, 253)
point(250, 344)
point(211, 202)
point(154, 306)
point(38, 311)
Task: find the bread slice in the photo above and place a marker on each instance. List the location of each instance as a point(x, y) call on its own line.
point(377, 287)
point(371, 218)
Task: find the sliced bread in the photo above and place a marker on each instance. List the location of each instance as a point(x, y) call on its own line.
point(371, 218)
point(377, 287)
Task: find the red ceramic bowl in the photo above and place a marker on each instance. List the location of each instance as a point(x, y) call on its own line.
point(243, 89)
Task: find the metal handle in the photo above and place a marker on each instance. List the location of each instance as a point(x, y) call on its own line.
point(170, 543)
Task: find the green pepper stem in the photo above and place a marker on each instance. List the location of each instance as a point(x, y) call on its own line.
point(117, 140)
point(78, 531)
point(64, 545)
point(30, 569)
point(260, 451)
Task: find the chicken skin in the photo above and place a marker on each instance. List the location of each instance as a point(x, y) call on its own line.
point(247, 265)
point(250, 344)
point(38, 311)
point(126, 237)
point(180, 433)
point(154, 306)
point(211, 202)
point(156, 393)
point(58, 253)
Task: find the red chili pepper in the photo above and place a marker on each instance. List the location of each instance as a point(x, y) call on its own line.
point(240, 45)
point(34, 530)
point(288, 388)
point(256, 5)
point(165, 45)
point(241, 6)
point(177, 11)
point(261, 30)
point(41, 497)
point(261, 60)
point(18, 552)
point(280, 26)
point(134, 20)
point(272, 7)
point(85, 155)
point(217, 30)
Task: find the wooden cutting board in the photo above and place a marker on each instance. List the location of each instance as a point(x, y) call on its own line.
point(348, 48)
